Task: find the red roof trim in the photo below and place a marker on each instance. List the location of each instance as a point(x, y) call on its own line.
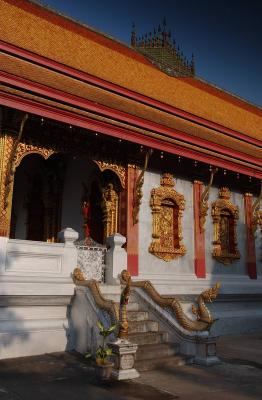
point(68, 71)
point(123, 117)
point(87, 32)
point(121, 133)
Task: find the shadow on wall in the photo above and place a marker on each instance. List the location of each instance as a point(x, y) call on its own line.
point(12, 330)
point(70, 331)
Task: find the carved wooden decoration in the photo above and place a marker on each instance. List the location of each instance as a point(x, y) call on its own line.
point(204, 201)
point(256, 213)
point(119, 170)
point(138, 194)
point(167, 209)
point(260, 226)
point(225, 216)
point(24, 149)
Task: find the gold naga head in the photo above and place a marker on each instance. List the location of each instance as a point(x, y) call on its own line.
point(125, 275)
point(211, 294)
point(78, 274)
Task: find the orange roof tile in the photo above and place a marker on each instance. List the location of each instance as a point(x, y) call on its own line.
point(51, 35)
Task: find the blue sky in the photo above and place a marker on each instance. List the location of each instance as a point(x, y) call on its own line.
point(225, 36)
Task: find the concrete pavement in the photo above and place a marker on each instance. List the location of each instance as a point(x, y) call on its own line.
point(66, 376)
point(238, 377)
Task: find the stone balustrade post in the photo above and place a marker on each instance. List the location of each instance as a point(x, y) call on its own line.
point(116, 258)
point(206, 350)
point(68, 236)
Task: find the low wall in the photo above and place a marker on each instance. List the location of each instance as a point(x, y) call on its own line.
point(36, 289)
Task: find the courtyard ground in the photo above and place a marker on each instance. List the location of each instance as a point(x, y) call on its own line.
point(66, 376)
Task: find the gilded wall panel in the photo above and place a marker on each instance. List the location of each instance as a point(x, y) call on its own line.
point(167, 210)
point(225, 215)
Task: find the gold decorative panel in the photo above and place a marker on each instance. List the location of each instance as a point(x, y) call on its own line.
point(24, 149)
point(167, 210)
point(119, 170)
point(6, 182)
point(225, 216)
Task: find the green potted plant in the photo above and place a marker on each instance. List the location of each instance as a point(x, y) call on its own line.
point(103, 366)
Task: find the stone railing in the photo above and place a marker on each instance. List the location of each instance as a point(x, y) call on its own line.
point(22, 258)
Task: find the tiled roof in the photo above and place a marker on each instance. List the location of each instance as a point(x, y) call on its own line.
point(84, 91)
point(48, 34)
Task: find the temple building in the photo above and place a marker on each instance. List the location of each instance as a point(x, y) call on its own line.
point(122, 151)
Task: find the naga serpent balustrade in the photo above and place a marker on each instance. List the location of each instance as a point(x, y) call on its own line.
point(108, 305)
point(204, 319)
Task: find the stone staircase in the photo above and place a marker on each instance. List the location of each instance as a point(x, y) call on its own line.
point(154, 348)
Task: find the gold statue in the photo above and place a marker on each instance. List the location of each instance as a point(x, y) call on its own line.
point(224, 233)
point(110, 210)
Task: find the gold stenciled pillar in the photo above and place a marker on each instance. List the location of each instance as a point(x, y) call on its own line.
point(6, 181)
point(8, 147)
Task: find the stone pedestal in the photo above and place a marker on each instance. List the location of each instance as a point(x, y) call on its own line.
point(124, 352)
point(206, 351)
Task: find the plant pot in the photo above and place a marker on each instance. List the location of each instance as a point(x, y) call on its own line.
point(104, 371)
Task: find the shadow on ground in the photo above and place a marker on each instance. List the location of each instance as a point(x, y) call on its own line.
point(67, 376)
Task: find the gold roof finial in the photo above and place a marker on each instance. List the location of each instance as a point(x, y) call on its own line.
point(133, 35)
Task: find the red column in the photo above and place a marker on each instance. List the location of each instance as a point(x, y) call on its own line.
point(132, 230)
point(250, 240)
point(200, 260)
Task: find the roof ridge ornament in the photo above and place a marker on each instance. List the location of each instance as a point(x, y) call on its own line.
point(161, 49)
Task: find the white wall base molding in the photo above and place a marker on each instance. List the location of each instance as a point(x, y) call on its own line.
point(34, 342)
point(190, 284)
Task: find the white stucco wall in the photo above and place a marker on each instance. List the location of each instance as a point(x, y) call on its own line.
point(149, 264)
point(181, 270)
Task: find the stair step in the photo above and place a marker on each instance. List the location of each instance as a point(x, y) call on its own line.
point(132, 306)
point(162, 362)
point(152, 351)
point(112, 296)
point(143, 326)
point(137, 316)
point(110, 289)
point(148, 338)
